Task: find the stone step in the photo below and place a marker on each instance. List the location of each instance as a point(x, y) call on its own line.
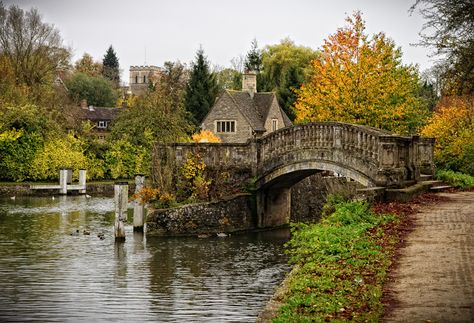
point(440, 188)
point(430, 183)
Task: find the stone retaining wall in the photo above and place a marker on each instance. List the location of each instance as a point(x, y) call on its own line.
point(229, 215)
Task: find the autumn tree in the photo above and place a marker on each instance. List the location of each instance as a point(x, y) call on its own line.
point(32, 51)
point(362, 80)
point(159, 115)
point(285, 66)
point(87, 65)
point(449, 30)
point(201, 90)
point(452, 125)
point(110, 65)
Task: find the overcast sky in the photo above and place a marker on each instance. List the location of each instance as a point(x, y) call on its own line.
point(174, 29)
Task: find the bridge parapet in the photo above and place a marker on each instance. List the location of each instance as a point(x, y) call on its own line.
point(371, 156)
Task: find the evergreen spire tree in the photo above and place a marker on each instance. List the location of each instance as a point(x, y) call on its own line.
point(201, 90)
point(253, 61)
point(110, 65)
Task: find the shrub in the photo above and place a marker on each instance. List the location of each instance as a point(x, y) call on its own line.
point(56, 154)
point(456, 179)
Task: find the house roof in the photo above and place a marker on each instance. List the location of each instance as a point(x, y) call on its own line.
point(256, 109)
point(99, 113)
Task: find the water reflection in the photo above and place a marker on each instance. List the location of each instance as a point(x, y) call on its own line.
point(47, 274)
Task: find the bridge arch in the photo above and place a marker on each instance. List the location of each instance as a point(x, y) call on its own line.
point(290, 174)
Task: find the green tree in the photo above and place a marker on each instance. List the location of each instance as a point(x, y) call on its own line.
point(125, 159)
point(228, 79)
point(285, 67)
point(253, 60)
point(449, 29)
point(23, 130)
point(201, 90)
point(97, 90)
point(362, 80)
point(110, 65)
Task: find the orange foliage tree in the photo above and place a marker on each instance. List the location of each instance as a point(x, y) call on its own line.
point(205, 136)
point(361, 80)
point(453, 127)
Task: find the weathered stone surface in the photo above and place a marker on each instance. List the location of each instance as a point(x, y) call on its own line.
point(230, 215)
point(309, 196)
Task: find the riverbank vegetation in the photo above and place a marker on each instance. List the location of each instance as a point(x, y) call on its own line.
point(340, 263)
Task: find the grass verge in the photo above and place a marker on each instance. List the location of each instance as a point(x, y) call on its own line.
point(342, 263)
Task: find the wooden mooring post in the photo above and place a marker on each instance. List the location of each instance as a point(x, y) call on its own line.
point(139, 209)
point(121, 202)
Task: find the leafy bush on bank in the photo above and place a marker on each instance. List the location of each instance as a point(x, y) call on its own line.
point(455, 179)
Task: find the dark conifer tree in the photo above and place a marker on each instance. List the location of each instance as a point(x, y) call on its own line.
point(253, 60)
point(201, 89)
point(110, 65)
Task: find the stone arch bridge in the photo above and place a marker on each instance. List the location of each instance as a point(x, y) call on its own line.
point(372, 157)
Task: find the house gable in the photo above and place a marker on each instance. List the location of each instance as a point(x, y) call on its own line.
point(227, 110)
point(274, 118)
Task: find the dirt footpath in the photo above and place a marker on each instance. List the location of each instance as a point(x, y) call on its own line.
point(434, 280)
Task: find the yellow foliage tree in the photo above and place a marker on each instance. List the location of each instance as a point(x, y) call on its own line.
point(453, 127)
point(361, 80)
point(205, 136)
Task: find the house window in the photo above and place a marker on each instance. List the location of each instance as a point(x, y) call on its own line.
point(101, 137)
point(102, 124)
point(274, 124)
point(136, 78)
point(144, 78)
point(225, 126)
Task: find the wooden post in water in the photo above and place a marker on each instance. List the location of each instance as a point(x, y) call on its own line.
point(138, 209)
point(121, 202)
point(82, 180)
point(63, 181)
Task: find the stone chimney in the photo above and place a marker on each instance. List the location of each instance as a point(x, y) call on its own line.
point(249, 82)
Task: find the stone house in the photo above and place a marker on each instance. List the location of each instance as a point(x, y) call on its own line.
point(238, 116)
point(100, 117)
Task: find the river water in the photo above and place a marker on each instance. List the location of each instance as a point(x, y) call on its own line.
point(47, 274)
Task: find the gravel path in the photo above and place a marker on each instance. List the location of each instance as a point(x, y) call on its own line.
point(434, 280)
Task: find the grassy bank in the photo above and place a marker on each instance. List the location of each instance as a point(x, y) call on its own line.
point(341, 264)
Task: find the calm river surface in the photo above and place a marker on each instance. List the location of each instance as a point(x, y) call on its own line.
point(47, 274)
